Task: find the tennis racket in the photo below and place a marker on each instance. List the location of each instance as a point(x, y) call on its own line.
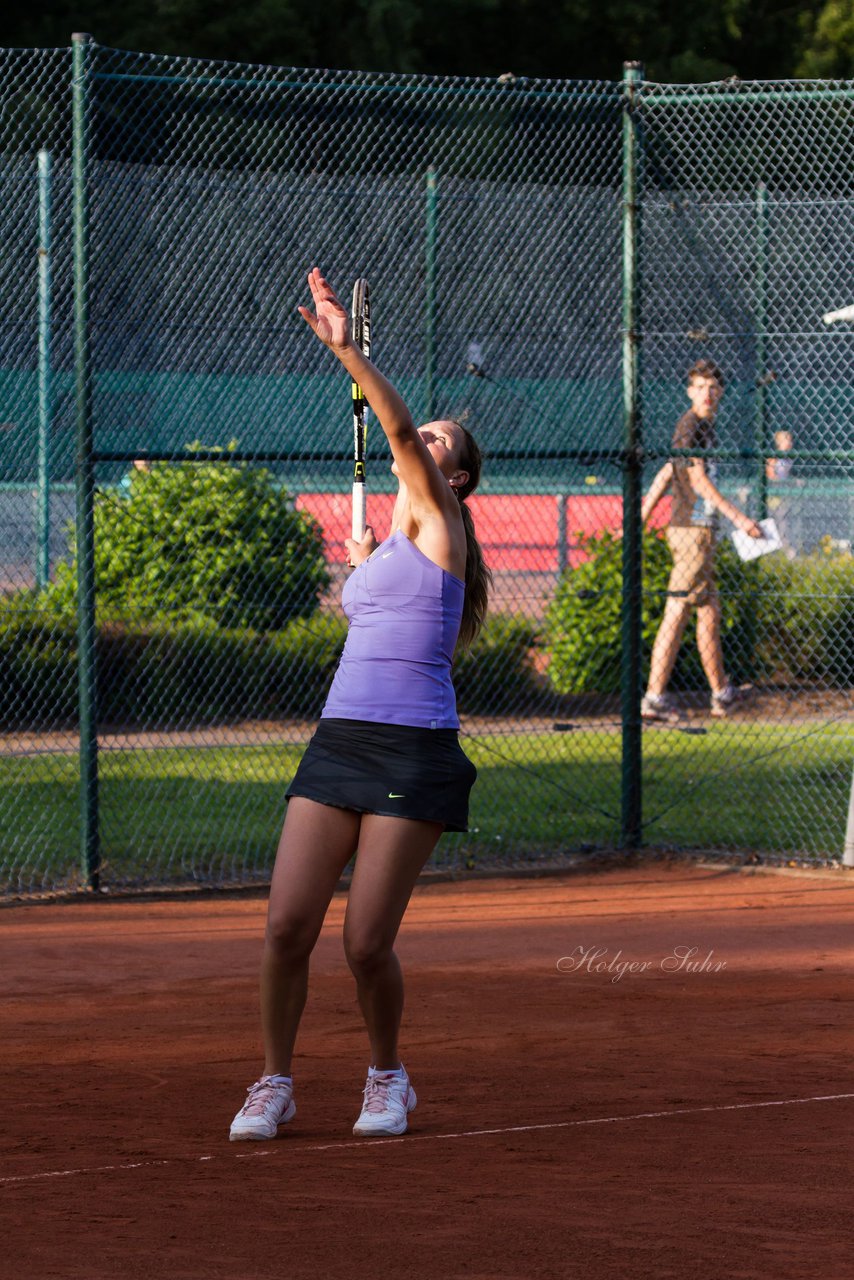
point(361, 321)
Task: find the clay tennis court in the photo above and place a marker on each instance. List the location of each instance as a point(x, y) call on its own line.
point(572, 1121)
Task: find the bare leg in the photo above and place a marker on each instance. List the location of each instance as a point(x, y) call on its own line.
point(317, 843)
point(709, 644)
point(392, 853)
point(666, 646)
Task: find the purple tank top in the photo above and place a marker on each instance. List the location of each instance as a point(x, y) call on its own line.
point(404, 614)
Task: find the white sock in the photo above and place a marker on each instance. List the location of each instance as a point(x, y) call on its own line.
point(281, 1079)
point(400, 1072)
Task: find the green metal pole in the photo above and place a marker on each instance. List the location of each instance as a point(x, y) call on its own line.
point(45, 389)
point(761, 411)
point(632, 548)
point(430, 296)
point(82, 54)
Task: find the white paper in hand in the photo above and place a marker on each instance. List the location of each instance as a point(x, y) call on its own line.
point(751, 548)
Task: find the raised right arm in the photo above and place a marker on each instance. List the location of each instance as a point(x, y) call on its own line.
point(415, 466)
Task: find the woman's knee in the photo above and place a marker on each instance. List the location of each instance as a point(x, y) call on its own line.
point(290, 936)
point(367, 951)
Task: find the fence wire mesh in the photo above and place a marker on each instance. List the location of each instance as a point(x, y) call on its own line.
point(747, 234)
point(211, 440)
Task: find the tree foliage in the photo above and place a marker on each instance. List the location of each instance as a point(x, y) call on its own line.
point(829, 46)
point(694, 41)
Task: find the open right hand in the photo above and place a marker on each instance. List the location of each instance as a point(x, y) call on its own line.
point(329, 321)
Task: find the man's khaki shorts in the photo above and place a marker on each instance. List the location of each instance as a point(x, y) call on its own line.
point(692, 578)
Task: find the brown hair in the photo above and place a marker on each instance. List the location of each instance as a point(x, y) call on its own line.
point(478, 576)
point(706, 369)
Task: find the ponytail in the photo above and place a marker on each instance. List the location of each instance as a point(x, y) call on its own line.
point(478, 576)
point(478, 582)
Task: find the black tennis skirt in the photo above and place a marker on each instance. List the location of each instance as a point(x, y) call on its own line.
point(400, 771)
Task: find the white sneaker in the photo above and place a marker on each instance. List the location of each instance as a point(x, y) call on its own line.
point(658, 706)
point(389, 1097)
point(268, 1104)
point(731, 698)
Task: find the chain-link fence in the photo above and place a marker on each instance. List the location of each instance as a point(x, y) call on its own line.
point(549, 257)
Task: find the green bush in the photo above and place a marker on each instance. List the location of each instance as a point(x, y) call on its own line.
point(807, 631)
point(495, 676)
point(197, 673)
point(161, 675)
point(38, 664)
point(795, 617)
point(169, 675)
point(583, 623)
point(192, 539)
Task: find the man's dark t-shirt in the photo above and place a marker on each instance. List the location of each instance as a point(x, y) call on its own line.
point(688, 509)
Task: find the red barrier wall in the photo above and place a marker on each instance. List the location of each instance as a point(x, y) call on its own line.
point(518, 532)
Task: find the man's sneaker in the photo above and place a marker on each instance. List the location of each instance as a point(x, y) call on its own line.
point(731, 698)
point(658, 706)
point(389, 1097)
point(269, 1103)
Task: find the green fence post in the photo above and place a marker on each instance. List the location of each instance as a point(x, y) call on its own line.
point(45, 406)
point(82, 52)
point(430, 296)
point(761, 418)
point(630, 682)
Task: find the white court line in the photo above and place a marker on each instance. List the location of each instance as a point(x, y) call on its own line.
point(366, 1144)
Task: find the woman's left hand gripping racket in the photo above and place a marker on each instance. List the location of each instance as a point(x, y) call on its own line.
point(361, 315)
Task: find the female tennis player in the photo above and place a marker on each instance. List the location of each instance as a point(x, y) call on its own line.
point(384, 775)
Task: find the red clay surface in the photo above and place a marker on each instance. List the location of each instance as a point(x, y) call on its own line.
point(570, 1124)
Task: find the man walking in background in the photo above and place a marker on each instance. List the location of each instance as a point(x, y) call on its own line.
point(691, 538)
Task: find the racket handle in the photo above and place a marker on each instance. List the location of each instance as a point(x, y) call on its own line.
point(358, 532)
